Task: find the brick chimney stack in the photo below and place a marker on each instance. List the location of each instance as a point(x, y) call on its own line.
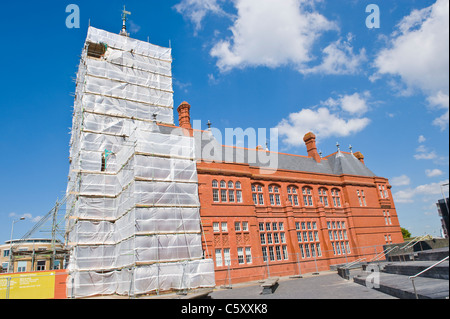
point(359, 156)
point(310, 141)
point(184, 116)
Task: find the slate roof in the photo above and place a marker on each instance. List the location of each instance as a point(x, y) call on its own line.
point(208, 148)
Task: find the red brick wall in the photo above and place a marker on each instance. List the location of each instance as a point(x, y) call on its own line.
point(365, 225)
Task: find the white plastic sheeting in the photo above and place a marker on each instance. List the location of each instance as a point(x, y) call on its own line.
point(133, 217)
point(144, 279)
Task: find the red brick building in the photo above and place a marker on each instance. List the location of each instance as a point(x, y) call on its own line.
point(309, 213)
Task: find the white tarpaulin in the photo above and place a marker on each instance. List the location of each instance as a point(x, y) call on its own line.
point(133, 218)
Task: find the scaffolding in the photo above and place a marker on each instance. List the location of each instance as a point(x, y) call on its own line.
point(132, 212)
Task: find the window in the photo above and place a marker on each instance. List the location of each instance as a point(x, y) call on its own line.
point(339, 238)
point(271, 255)
point(248, 255)
point(226, 192)
point(387, 218)
point(226, 255)
point(224, 227)
point(274, 195)
point(263, 238)
point(21, 266)
point(307, 196)
point(310, 236)
point(219, 262)
point(237, 226)
point(272, 237)
point(231, 196)
point(57, 264)
point(381, 191)
point(40, 265)
point(257, 194)
point(276, 190)
point(239, 196)
point(215, 195)
point(361, 198)
point(292, 195)
point(323, 197)
point(216, 227)
point(223, 195)
point(336, 197)
point(6, 253)
point(264, 252)
point(245, 226)
point(240, 251)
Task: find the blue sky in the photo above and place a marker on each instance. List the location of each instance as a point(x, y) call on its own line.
point(297, 65)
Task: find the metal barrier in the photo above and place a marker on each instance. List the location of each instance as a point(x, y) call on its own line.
point(424, 271)
point(239, 270)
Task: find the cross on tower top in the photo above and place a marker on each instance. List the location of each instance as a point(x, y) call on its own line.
point(125, 13)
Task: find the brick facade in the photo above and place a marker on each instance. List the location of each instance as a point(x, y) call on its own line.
point(291, 221)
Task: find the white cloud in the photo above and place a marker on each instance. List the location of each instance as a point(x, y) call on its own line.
point(425, 191)
point(440, 101)
point(419, 55)
point(334, 117)
point(134, 28)
point(196, 10)
point(355, 104)
point(419, 51)
point(402, 180)
point(433, 172)
point(339, 58)
point(422, 139)
point(422, 153)
point(425, 156)
point(272, 34)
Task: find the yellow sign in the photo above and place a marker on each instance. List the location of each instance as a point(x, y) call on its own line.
point(39, 285)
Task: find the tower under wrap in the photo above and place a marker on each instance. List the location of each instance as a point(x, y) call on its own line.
point(133, 221)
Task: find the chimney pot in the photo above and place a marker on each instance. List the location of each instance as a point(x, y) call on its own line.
point(184, 116)
point(310, 142)
point(359, 156)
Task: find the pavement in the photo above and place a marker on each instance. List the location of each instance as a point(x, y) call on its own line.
point(326, 285)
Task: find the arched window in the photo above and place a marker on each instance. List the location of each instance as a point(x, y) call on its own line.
point(215, 186)
point(274, 195)
point(292, 195)
point(227, 192)
point(257, 194)
point(307, 196)
point(323, 196)
point(336, 196)
point(238, 192)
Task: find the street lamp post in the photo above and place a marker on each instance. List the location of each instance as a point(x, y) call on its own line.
point(10, 243)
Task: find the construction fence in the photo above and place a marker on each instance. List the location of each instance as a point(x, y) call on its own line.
point(35, 285)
